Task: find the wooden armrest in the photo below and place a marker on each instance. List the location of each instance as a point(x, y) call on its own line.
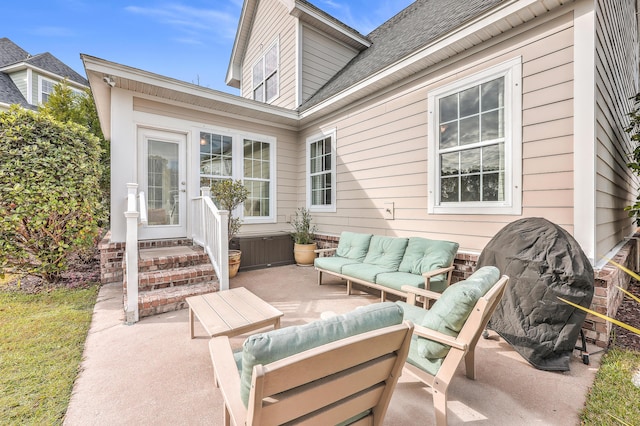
point(325, 251)
point(438, 271)
point(436, 336)
point(421, 292)
point(227, 378)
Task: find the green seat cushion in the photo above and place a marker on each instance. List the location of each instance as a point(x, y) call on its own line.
point(265, 348)
point(449, 313)
point(363, 271)
point(424, 255)
point(353, 245)
point(386, 252)
point(396, 280)
point(333, 264)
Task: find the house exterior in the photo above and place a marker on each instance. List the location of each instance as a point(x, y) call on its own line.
point(449, 121)
point(27, 80)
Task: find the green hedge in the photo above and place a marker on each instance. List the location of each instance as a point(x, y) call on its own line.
point(49, 192)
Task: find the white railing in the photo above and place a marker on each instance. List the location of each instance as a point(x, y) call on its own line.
point(136, 211)
point(210, 231)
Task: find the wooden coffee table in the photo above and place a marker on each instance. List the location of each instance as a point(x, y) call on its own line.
point(231, 312)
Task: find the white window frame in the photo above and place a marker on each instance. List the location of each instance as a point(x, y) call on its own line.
point(512, 203)
point(263, 82)
point(41, 80)
point(237, 167)
point(317, 208)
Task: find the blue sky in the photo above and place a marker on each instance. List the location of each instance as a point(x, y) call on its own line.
point(190, 40)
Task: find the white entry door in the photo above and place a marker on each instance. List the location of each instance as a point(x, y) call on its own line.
point(163, 179)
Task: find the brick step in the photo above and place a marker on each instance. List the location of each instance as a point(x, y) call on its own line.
point(175, 277)
point(170, 299)
point(174, 242)
point(171, 258)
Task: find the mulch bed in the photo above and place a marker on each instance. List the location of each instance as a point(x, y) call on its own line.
point(629, 313)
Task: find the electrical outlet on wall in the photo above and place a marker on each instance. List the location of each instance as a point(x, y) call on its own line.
point(388, 211)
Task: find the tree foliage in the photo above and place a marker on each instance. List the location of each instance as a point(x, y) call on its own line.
point(634, 130)
point(229, 194)
point(49, 192)
point(66, 105)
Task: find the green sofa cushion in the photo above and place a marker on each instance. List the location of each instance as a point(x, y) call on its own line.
point(265, 348)
point(363, 271)
point(333, 264)
point(424, 255)
point(386, 252)
point(396, 280)
point(353, 245)
point(452, 309)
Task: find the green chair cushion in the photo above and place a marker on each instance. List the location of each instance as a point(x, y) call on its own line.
point(265, 348)
point(363, 271)
point(449, 313)
point(386, 252)
point(396, 280)
point(353, 245)
point(424, 255)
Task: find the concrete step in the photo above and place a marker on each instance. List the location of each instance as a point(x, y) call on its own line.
point(185, 275)
point(168, 299)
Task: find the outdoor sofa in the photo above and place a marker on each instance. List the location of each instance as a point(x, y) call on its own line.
point(388, 263)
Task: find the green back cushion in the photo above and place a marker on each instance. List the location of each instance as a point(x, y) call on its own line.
point(353, 245)
point(424, 255)
point(452, 309)
point(386, 252)
point(264, 348)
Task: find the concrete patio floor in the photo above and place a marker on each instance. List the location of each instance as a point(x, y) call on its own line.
point(153, 373)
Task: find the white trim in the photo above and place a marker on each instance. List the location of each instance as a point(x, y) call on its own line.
point(512, 205)
point(29, 86)
point(330, 208)
point(584, 139)
point(299, 52)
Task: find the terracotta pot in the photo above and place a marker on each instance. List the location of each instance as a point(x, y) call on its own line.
point(234, 262)
point(304, 254)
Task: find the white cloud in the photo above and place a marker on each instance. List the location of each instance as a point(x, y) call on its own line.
point(198, 24)
point(53, 31)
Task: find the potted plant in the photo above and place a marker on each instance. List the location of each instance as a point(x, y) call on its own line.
point(229, 194)
point(303, 238)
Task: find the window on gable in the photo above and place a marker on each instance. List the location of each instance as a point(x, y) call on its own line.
point(265, 76)
point(475, 138)
point(321, 173)
point(250, 160)
point(45, 89)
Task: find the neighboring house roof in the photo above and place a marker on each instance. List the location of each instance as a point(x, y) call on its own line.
point(14, 58)
point(416, 26)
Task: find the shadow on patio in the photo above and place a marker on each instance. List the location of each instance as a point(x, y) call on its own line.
point(152, 372)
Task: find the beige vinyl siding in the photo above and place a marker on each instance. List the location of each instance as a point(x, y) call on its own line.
point(616, 82)
point(20, 80)
point(286, 152)
point(383, 156)
point(273, 23)
point(322, 58)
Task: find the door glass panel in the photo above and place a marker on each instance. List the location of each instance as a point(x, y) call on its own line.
point(163, 202)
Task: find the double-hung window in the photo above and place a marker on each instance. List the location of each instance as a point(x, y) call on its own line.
point(321, 172)
point(265, 75)
point(246, 158)
point(45, 88)
point(475, 143)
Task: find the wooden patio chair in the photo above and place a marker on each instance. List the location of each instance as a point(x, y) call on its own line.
point(340, 370)
point(449, 330)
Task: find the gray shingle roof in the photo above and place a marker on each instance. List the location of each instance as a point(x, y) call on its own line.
point(9, 93)
point(48, 62)
point(10, 52)
point(413, 28)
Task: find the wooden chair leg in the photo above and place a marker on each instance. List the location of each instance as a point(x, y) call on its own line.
point(469, 364)
point(440, 407)
point(227, 417)
point(348, 288)
point(319, 277)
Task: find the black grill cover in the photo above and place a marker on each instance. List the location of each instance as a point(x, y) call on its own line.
point(543, 263)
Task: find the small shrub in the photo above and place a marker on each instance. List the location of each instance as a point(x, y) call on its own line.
point(49, 193)
point(303, 231)
point(229, 194)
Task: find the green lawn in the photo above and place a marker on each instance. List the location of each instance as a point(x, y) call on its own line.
point(41, 342)
point(613, 399)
